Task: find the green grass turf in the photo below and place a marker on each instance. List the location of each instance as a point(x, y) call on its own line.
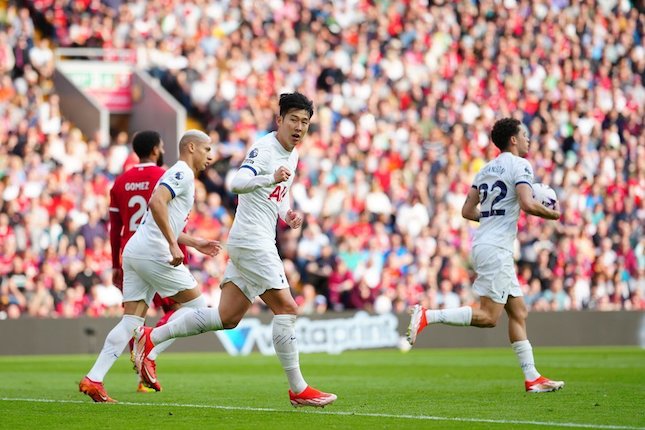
point(378, 389)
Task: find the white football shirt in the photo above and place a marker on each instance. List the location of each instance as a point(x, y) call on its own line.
point(148, 242)
point(257, 211)
point(498, 200)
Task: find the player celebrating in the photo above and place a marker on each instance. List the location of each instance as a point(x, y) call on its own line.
point(152, 258)
point(128, 203)
point(501, 188)
point(255, 268)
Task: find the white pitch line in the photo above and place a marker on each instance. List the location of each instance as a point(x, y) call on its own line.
point(340, 413)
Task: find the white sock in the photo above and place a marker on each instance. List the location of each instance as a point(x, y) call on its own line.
point(199, 302)
point(191, 323)
point(524, 353)
point(286, 348)
point(455, 316)
point(115, 343)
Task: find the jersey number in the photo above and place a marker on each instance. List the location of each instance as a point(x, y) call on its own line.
point(278, 193)
point(483, 195)
point(140, 203)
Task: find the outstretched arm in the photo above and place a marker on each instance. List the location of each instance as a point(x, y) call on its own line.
point(205, 246)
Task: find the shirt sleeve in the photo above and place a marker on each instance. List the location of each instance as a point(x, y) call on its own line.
point(245, 180)
point(523, 173)
point(476, 182)
point(114, 204)
point(258, 160)
point(177, 181)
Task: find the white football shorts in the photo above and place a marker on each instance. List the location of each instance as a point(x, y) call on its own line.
point(143, 278)
point(496, 277)
point(255, 271)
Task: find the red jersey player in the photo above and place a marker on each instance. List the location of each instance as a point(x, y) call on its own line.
point(128, 203)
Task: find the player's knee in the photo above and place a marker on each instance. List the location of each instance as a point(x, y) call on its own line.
point(289, 308)
point(230, 322)
point(490, 323)
point(519, 315)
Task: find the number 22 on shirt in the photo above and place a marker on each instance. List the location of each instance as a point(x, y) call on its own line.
point(499, 190)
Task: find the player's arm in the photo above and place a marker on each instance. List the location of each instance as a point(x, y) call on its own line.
point(205, 246)
point(531, 206)
point(158, 206)
point(116, 228)
point(469, 209)
point(246, 180)
point(291, 217)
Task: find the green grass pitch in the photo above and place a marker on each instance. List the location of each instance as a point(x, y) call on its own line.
point(377, 389)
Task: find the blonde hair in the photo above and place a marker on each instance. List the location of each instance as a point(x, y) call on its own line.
point(192, 136)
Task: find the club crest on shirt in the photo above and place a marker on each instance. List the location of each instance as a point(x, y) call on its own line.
point(253, 153)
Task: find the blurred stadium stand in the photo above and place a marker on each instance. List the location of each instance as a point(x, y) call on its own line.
point(405, 95)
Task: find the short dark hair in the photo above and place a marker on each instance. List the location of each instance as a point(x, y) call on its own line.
point(503, 130)
point(297, 101)
point(144, 142)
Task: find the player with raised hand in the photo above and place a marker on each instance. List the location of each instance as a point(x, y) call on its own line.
point(255, 268)
point(152, 258)
point(501, 188)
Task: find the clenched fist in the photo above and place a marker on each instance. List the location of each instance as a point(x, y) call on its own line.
point(282, 174)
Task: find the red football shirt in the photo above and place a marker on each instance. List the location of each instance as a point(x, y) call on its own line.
point(129, 198)
point(129, 201)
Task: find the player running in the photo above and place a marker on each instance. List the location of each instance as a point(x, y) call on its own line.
point(255, 268)
point(128, 203)
point(152, 259)
point(501, 188)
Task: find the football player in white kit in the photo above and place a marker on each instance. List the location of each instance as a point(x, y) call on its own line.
point(255, 268)
point(152, 259)
point(501, 188)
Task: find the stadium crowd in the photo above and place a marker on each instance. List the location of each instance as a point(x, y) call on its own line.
point(405, 92)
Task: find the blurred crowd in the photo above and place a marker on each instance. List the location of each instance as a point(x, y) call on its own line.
point(405, 92)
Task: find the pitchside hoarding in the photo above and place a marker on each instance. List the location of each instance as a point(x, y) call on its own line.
point(361, 331)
